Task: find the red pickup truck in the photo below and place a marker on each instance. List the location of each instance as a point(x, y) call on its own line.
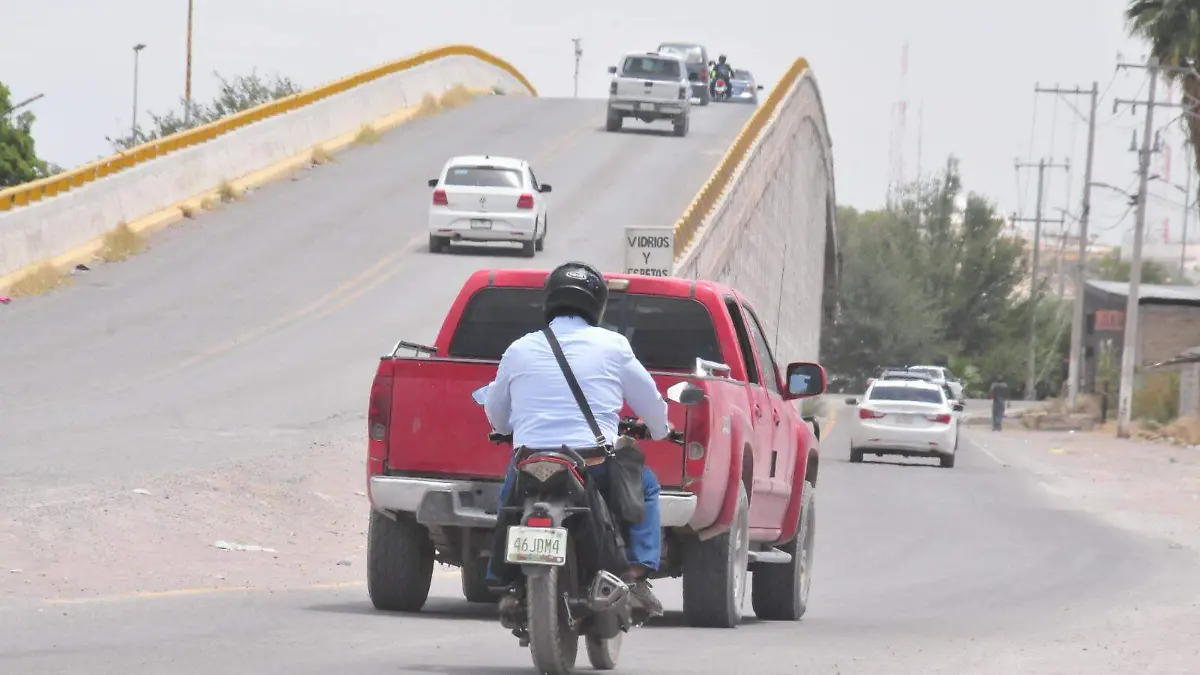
point(737, 497)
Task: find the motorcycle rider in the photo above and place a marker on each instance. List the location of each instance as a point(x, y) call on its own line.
point(530, 398)
point(721, 69)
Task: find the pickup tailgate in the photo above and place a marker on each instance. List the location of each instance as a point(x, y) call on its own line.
point(437, 429)
point(660, 91)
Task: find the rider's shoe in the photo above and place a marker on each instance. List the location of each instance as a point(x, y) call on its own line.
point(643, 598)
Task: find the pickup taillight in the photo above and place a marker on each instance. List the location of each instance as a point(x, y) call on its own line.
point(696, 436)
point(379, 419)
point(612, 88)
point(683, 92)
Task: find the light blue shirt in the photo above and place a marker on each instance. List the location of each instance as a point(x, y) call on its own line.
point(531, 399)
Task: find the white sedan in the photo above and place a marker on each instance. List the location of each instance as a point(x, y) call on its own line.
point(909, 418)
point(488, 199)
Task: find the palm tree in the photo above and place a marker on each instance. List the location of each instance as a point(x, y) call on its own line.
point(1172, 27)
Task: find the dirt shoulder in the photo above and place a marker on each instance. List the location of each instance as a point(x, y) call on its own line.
point(1146, 487)
point(161, 533)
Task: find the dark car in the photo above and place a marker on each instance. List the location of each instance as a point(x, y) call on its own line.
point(743, 88)
point(696, 58)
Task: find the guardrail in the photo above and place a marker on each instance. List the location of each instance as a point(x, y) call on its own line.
point(708, 196)
point(24, 194)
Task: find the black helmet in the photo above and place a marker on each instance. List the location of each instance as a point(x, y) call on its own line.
point(721, 59)
point(578, 288)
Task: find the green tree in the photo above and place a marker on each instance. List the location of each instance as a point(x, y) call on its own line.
point(886, 318)
point(1112, 268)
point(241, 93)
point(1172, 27)
point(19, 162)
point(936, 278)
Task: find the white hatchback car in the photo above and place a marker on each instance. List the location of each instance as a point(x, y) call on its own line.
point(909, 418)
point(485, 199)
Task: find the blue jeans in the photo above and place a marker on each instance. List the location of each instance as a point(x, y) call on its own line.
point(645, 538)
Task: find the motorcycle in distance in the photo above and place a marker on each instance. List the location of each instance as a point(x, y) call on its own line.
point(720, 84)
point(566, 597)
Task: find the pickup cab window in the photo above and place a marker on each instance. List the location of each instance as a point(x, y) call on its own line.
point(651, 68)
point(666, 333)
point(743, 336)
point(770, 373)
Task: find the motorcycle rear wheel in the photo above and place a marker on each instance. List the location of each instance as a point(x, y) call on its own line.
point(603, 654)
point(553, 644)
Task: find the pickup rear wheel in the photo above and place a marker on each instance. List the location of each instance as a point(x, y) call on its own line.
point(474, 581)
point(399, 563)
point(780, 592)
point(613, 122)
point(681, 125)
point(714, 572)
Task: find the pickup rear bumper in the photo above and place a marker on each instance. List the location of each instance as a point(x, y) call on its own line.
point(464, 503)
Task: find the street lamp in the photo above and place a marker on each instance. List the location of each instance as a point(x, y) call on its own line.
point(187, 86)
point(137, 50)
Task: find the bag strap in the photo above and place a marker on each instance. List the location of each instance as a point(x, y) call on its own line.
point(574, 385)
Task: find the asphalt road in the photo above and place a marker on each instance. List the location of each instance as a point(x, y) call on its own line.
point(918, 569)
point(256, 328)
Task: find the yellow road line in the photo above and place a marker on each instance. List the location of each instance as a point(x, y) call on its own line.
point(216, 590)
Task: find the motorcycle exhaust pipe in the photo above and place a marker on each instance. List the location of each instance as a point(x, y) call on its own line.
point(607, 593)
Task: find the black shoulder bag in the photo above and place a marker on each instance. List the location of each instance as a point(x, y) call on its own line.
point(625, 464)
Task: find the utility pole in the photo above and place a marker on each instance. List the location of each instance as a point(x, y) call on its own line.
point(1075, 367)
point(1188, 203)
point(578, 56)
point(133, 136)
point(1042, 165)
point(187, 86)
point(1129, 343)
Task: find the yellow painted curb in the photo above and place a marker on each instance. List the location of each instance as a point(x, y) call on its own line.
point(174, 213)
point(714, 188)
point(27, 193)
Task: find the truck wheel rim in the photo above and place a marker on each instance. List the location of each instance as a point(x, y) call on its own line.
point(741, 559)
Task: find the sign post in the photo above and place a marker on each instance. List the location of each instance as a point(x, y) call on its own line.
point(649, 250)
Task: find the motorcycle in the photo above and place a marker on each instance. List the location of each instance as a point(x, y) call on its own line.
point(720, 86)
point(565, 596)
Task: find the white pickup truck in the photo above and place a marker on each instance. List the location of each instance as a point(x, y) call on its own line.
point(650, 86)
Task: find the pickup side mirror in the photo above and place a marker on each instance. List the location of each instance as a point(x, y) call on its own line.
point(544, 187)
point(433, 182)
point(685, 393)
point(958, 406)
point(850, 400)
point(759, 87)
point(804, 379)
point(612, 69)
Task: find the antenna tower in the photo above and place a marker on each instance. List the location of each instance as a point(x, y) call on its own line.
point(899, 124)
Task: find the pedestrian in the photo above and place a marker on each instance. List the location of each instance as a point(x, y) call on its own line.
point(998, 392)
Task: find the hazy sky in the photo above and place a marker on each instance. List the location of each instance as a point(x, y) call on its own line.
point(972, 67)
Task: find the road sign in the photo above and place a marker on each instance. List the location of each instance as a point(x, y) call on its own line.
point(649, 251)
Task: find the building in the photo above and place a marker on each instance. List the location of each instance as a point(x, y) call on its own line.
point(1169, 324)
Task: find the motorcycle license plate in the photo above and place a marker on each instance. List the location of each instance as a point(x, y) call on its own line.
point(480, 224)
point(537, 545)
